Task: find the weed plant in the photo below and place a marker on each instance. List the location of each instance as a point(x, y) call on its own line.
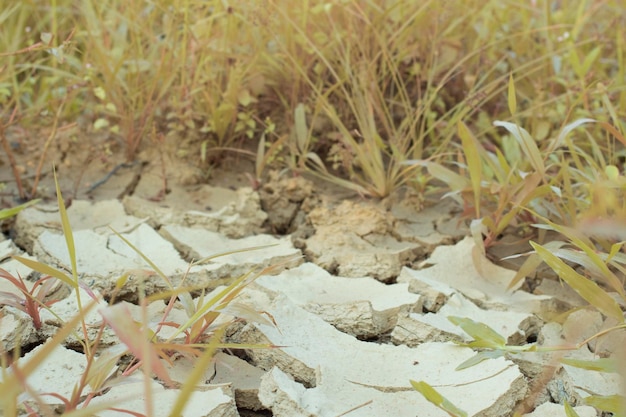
point(203, 331)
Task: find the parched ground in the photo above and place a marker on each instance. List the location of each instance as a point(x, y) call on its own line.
point(359, 307)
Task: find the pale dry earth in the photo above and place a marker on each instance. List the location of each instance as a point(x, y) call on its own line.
point(359, 304)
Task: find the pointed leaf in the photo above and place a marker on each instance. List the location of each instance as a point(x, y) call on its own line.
point(479, 357)
point(67, 230)
point(437, 399)
point(46, 270)
point(145, 258)
point(600, 364)
point(590, 58)
point(585, 244)
point(586, 288)
point(569, 411)
point(260, 157)
point(530, 265)
point(512, 101)
point(472, 157)
point(118, 316)
point(10, 212)
point(301, 128)
point(455, 181)
point(527, 143)
point(569, 127)
point(615, 404)
point(484, 336)
point(195, 377)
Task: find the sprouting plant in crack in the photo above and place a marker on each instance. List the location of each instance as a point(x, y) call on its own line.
point(203, 332)
point(32, 300)
point(139, 338)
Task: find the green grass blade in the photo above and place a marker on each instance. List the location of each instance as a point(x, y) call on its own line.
point(569, 411)
point(615, 404)
point(145, 258)
point(10, 212)
point(600, 364)
point(512, 100)
point(437, 399)
point(215, 300)
point(472, 157)
point(46, 270)
point(67, 230)
point(196, 375)
point(230, 252)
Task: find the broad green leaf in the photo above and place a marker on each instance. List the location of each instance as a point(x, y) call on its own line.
point(484, 336)
point(527, 143)
point(568, 128)
point(100, 123)
point(472, 157)
point(437, 399)
point(512, 100)
point(455, 181)
point(46, 38)
point(100, 93)
point(615, 404)
point(245, 98)
point(586, 288)
point(612, 172)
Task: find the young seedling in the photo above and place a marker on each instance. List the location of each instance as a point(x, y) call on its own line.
point(32, 300)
